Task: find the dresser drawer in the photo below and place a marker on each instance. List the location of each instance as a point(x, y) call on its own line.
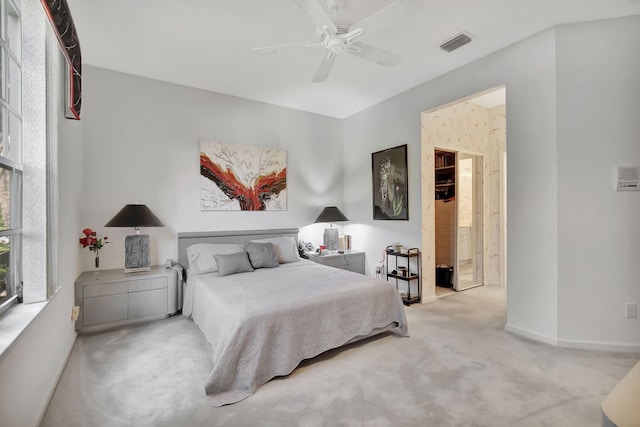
point(103, 309)
point(352, 261)
point(147, 284)
point(147, 303)
point(337, 262)
point(105, 289)
point(356, 265)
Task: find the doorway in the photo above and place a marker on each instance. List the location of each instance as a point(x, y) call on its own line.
point(474, 129)
point(458, 220)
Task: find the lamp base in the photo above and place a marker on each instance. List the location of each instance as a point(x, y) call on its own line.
point(331, 239)
point(136, 253)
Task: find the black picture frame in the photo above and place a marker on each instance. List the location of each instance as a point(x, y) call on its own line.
point(390, 180)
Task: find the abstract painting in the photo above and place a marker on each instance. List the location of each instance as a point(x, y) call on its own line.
point(242, 177)
point(60, 18)
point(390, 191)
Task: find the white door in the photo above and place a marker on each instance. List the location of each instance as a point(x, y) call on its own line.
point(468, 265)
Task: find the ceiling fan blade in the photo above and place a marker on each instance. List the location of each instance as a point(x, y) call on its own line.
point(324, 68)
point(280, 48)
point(318, 14)
point(389, 15)
point(352, 35)
point(374, 54)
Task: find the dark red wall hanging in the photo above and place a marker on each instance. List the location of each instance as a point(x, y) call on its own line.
point(60, 17)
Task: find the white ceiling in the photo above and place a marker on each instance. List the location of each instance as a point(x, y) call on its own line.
point(207, 44)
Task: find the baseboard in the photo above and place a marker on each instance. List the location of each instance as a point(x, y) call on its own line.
point(531, 335)
point(428, 299)
point(493, 284)
point(615, 347)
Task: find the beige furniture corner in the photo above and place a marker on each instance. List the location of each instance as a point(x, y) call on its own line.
point(621, 407)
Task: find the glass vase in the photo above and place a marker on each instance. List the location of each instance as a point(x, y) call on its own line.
point(97, 261)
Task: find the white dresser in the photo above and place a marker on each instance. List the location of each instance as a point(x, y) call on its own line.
point(111, 298)
point(349, 260)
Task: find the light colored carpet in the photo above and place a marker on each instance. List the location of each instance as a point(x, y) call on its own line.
point(458, 368)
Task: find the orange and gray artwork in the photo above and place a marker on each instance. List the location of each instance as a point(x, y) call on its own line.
point(242, 177)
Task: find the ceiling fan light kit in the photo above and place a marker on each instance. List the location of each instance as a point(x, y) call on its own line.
point(338, 35)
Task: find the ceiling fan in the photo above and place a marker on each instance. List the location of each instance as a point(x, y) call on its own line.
point(339, 35)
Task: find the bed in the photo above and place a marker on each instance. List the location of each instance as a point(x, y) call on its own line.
point(264, 310)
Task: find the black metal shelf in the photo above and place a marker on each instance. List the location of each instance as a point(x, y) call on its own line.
point(409, 254)
point(409, 301)
point(401, 277)
point(410, 277)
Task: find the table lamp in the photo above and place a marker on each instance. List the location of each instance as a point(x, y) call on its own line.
point(136, 246)
point(331, 214)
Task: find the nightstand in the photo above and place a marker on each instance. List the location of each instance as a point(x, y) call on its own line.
point(350, 260)
point(112, 298)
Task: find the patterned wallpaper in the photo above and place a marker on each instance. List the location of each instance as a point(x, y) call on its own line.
point(469, 128)
point(497, 149)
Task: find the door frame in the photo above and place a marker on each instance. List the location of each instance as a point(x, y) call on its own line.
point(428, 144)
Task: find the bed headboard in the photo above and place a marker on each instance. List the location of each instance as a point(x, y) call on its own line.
point(234, 236)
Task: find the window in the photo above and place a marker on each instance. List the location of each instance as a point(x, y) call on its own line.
point(10, 152)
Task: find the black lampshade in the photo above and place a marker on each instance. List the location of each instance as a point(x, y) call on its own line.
point(135, 216)
point(331, 214)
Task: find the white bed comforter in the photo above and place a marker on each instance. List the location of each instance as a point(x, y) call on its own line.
point(264, 323)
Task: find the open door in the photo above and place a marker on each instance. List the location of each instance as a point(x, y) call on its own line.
point(468, 264)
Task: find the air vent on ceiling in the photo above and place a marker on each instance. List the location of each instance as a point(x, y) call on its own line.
point(456, 42)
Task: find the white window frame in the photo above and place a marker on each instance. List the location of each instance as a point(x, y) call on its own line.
point(11, 153)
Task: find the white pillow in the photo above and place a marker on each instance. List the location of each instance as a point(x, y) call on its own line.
point(201, 256)
point(285, 248)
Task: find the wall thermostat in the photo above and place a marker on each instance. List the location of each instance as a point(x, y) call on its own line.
point(628, 178)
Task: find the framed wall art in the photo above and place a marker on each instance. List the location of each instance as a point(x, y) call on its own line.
point(240, 177)
point(59, 16)
point(390, 179)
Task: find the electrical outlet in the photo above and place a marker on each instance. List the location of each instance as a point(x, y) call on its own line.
point(631, 310)
point(75, 312)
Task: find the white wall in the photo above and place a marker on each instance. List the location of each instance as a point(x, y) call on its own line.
point(142, 146)
point(599, 229)
point(573, 98)
point(527, 69)
point(30, 368)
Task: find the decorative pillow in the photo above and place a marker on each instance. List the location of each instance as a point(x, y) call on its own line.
point(285, 248)
point(233, 263)
point(261, 255)
point(201, 256)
